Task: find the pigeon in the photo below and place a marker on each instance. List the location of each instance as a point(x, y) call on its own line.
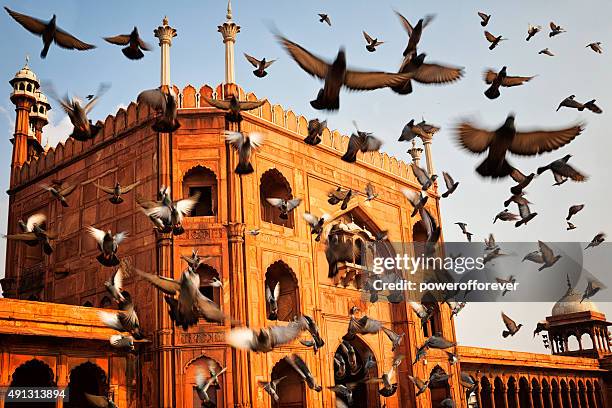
point(244, 144)
point(203, 383)
point(496, 253)
point(532, 30)
point(506, 215)
point(99, 401)
point(372, 43)
point(447, 403)
point(337, 251)
point(570, 102)
point(336, 75)
point(50, 32)
point(260, 66)
point(34, 237)
point(167, 215)
point(120, 341)
point(562, 171)
point(116, 191)
point(302, 369)
point(493, 40)
point(544, 256)
point(573, 210)
point(344, 391)
point(421, 311)
point(540, 327)
point(525, 214)
point(570, 226)
point(389, 388)
point(511, 326)
point(452, 358)
point(108, 244)
point(125, 320)
point(456, 307)
point(522, 181)
point(590, 105)
point(135, 44)
point(546, 51)
point(253, 232)
point(271, 387)
point(194, 260)
point(490, 244)
point(360, 142)
point(438, 342)
point(464, 230)
point(114, 286)
point(363, 325)
point(451, 185)
point(338, 196)
point(466, 381)
point(339, 366)
point(414, 33)
point(408, 132)
point(595, 46)
point(369, 363)
point(432, 230)
point(265, 339)
point(396, 339)
point(165, 101)
point(191, 304)
point(316, 224)
point(28, 226)
point(597, 240)
point(511, 279)
point(234, 107)
point(517, 198)
point(315, 131)
point(272, 300)
point(507, 138)
point(313, 329)
point(421, 353)
point(496, 80)
point(591, 290)
point(555, 29)
point(425, 73)
point(416, 199)
point(324, 18)
point(437, 376)
point(370, 192)
point(485, 18)
point(425, 180)
point(420, 385)
point(284, 206)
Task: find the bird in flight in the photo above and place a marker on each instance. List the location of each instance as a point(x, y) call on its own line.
point(260, 65)
point(135, 44)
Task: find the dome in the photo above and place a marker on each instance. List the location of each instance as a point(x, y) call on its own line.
point(41, 98)
point(570, 303)
point(25, 73)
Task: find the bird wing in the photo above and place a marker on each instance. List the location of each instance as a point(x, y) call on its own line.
point(312, 220)
point(284, 334)
point(275, 202)
point(70, 42)
point(437, 74)
point(250, 105)
point(489, 76)
point(516, 80)
point(308, 62)
point(474, 139)
point(291, 204)
point(254, 61)
point(363, 80)
point(367, 37)
point(24, 236)
point(268, 63)
point(209, 309)
point(547, 253)
point(256, 139)
point(36, 219)
point(236, 139)
point(185, 205)
point(97, 234)
point(155, 98)
point(166, 285)
point(269, 296)
point(120, 237)
point(420, 174)
point(537, 142)
point(217, 103)
point(241, 338)
point(98, 401)
point(108, 190)
point(448, 180)
point(129, 188)
point(120, 341)
point(33, 25)
point(490, 37)
point(553, 26)
point(482, 15)
point(413, 197)
point(122, 39)
point(407, 26)
point(118, 279)
point(510, 324)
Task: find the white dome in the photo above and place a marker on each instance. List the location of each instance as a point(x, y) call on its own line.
point(570, 303)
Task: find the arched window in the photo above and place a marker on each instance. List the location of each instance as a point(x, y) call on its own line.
point(546, 393)
point(565, 395)
point(554, 387)
point(536, 390)
point(21, 86)
point(33, 373)
point(274, 185)
point(85, 378)
point(512, 392)
point(485, 392)
point(203, 181)
point(499, 392)
point(582, 396)
point(288, 299)
point(523, 392)
point(365, 395)
point(215, 394)
point(573, 393)
point(433, 325)
point(291, 390)
point(440, 390)
point(29, 87)
point(106, 303)
point(88, 304)
point(207, 273)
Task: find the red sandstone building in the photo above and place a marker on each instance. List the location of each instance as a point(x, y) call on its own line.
point(49, 331)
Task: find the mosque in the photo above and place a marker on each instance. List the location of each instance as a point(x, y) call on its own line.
point(50, 333)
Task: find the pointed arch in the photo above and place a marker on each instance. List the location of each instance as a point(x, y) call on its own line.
point(32, 373)
point(274, 185)
point(365, 395)
point(440, 390)
point(499, 391)
point(203, 181)
point(85, 378)
point(288, 300)
point(512, 393)
point(486, 390)
point(291, 390)
point(197, 365)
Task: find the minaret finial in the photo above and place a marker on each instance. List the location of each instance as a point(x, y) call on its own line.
point(229, 10)
point(27, 58)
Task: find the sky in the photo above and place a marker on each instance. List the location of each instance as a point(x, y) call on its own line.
point(454, 37)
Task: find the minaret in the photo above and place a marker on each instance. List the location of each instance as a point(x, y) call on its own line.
point(228, 30)
point(25, 85)
point(39, 115)
point(415, 153)
point(165, 33)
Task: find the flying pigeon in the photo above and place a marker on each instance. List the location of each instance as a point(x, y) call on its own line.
point(234, 107)
point(451, 185)
point(532, 30)
point(497, 80)
point(493, 40)
point(135, 44)
point(361, 142)
point(562, 170)
point(555, 29)
point(108, 244)
point(165, 101)
point(372, 43)
point(245, 145)
point(116, 191)
point(485, 18)
point(315, 131)
point(260, 66)
point(573, 210)
point(284, 206)
point(511, 326)
point(597, 240)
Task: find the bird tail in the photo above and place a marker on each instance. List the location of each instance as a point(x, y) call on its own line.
point(492, 92)
point(505, 333)
point(116, 200)
point(110, 261)
point(244, 168)
point(403, 89)
point(132, 53)
point(178, 230)
point(45, 50)
point(260, 74)
point(350, 156)
point(322, 103)
point(489, 168)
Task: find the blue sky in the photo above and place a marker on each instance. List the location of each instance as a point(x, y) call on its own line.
point(454, 37)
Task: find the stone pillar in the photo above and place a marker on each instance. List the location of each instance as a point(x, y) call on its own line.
point(228, 30)
point(415, 153)
point(165, 33)
point(22, 127)
point(427, 144)
point(477, 390)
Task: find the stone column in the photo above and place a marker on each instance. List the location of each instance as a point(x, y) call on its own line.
point(165, 33)
point(415, 153)
point(62, 376)
point(228, 30)
point(427, 144)
point(477, 391)
point(22, 127)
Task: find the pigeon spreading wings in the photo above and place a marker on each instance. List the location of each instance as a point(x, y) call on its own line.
point(508, 81)
point(524, 143)
point(353, 79)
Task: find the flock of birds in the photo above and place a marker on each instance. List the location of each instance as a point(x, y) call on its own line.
point(186, 303)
